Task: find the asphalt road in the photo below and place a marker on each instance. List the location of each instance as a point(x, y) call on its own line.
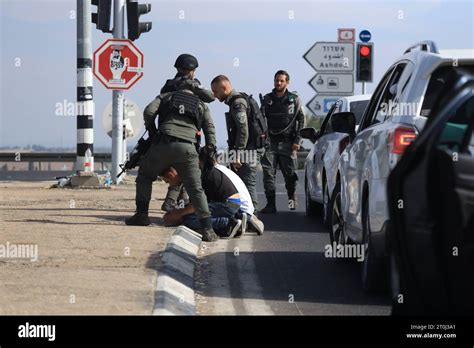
point(283, 272)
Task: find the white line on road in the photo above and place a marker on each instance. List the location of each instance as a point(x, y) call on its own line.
point(251, 290)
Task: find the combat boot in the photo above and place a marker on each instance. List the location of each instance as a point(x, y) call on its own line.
point(291, 201)
point(270, 208)
point(207, 232)
point(141, 216)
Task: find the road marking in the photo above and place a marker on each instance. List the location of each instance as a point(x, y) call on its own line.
point(215, 284)
point(251, 293)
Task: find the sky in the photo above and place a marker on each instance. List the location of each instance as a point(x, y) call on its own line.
point(38, 52)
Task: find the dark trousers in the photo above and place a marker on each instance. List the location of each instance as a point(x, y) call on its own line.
point(221, 214)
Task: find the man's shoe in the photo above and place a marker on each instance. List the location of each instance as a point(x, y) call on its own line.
point(292, 201)
point(292, 204)
point(270, 208)
point(256, 225)
point(208, 235)
point(234, 227)
point(139, 219)
point(231, 230)
point(243, 228)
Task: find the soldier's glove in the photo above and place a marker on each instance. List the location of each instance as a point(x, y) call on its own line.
point(211, 157)
point(151, 131)
point(211, 150)
point(195, 86)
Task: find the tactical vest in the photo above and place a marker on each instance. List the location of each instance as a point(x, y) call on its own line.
point(257, 125)
point(181, 104)
point(280, 112)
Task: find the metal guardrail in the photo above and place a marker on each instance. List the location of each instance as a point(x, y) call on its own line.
point(48, 156)
point(102, 158)
point(40, 158)
point(71, 156)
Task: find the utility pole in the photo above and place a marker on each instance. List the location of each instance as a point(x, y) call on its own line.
point(117, 98)
point(85, 103)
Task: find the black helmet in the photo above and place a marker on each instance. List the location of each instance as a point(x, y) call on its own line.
point(186, 62)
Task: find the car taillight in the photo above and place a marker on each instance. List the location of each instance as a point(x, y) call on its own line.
point(343, 143)
point(400, 138)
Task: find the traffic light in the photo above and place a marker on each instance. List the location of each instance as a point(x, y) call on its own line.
point(364, 67)
point(134, 11)
point(102, 17)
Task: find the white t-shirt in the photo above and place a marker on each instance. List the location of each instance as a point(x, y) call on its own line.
point(245, 199)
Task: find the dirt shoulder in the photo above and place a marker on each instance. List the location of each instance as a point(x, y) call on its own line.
point(89, 261)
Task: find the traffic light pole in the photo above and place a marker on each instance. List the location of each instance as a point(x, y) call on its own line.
point(85, 103)
point(363, 87)
point(117, 99)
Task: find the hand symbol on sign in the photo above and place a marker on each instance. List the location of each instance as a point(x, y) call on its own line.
point(118, 64)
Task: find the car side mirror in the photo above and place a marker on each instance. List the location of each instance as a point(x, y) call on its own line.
point(309, 133)
point(343, 122)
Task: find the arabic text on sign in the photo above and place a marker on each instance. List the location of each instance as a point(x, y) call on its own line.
point(329, 57)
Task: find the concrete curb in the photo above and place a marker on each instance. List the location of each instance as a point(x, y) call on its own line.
point(174, 293)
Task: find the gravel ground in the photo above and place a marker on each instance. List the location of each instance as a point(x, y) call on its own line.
point(88, 260)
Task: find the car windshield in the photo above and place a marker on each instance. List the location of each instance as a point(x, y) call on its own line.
point(358, 108)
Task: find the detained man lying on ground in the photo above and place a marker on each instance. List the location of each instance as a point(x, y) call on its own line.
point(228, 198)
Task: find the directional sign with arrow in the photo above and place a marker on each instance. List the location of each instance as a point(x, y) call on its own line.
point(331, 56)
point(333, 83)
point(320, 104)
point(334, 64)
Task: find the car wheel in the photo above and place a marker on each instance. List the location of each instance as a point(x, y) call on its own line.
point(312, 208)
point(336, 230)
point(374, 279)
point(326, 206)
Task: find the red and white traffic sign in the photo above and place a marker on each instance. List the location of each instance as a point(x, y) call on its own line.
point(118, 64)
point(345, 35)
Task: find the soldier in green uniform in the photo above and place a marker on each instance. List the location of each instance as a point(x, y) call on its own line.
point(285, 118)
point(182, 114)
point(240, 140)
point(177, 196)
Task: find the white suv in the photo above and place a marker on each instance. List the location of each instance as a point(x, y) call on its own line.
point(397, 111)
point(323, 159)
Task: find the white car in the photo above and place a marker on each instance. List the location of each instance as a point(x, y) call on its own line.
point(398, 110)
point(322, 161)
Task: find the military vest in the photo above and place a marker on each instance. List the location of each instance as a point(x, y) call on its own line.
point(256, 122)
point(180, 105)
point(280, 112)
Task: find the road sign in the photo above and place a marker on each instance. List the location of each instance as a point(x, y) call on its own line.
point(331, 83)
point(320, 104)
point(345, 35)
point(132, 119)
point(365, 36)
point(118, 64)
point(331, 56)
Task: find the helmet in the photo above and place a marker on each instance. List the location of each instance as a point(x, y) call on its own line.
point(186, 61)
